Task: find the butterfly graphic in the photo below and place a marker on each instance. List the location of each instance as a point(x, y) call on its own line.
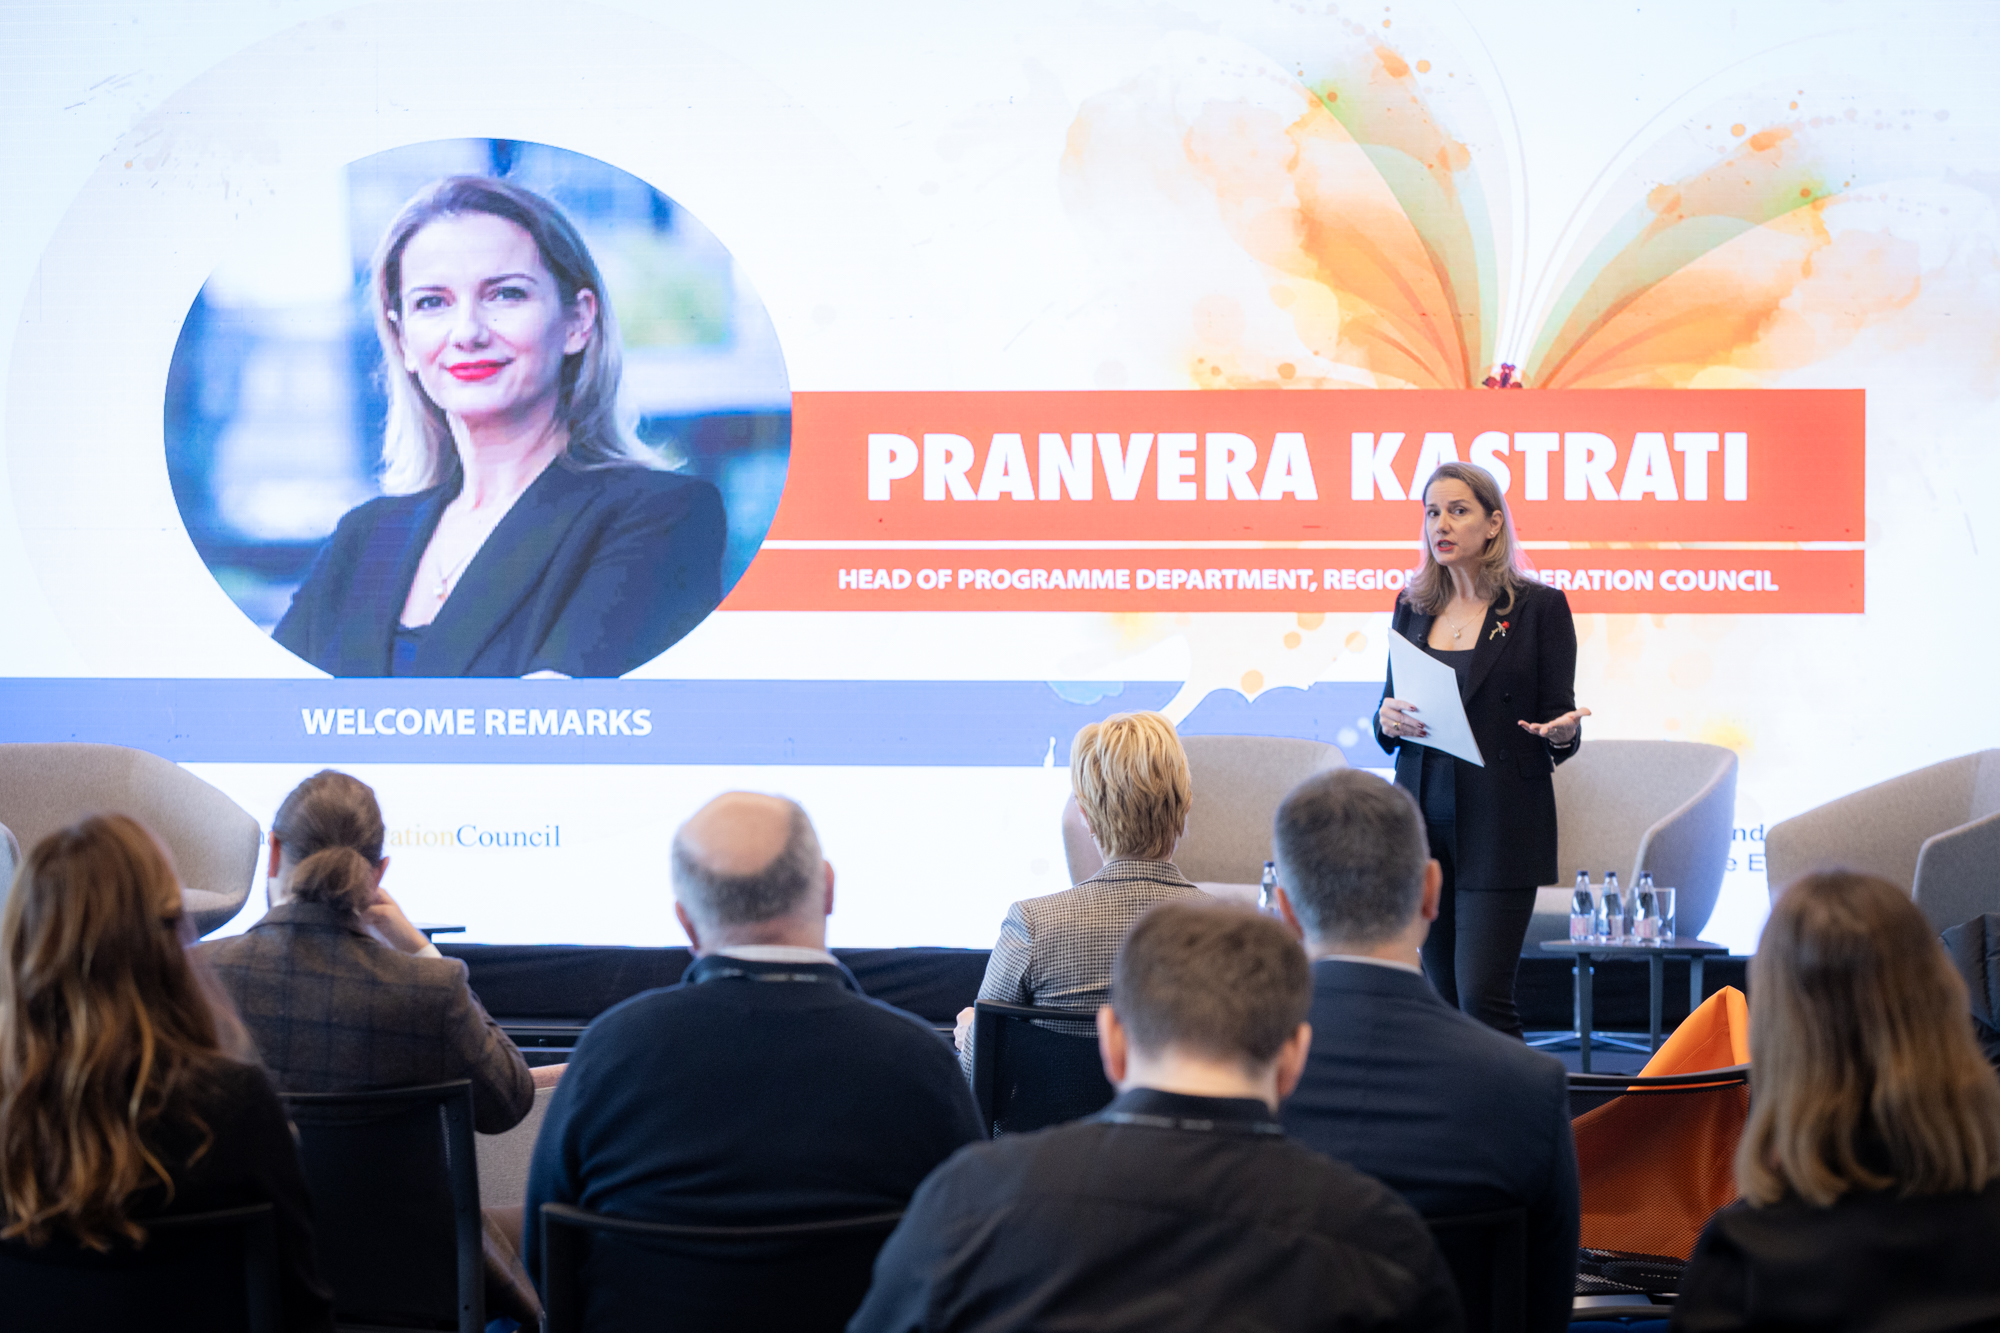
point(1373, 192)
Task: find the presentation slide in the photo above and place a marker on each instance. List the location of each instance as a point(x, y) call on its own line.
point(940, 378)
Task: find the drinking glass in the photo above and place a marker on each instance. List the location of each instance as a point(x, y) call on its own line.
point(1663, 900)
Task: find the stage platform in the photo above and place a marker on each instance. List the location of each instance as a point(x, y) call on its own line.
point(544, 995)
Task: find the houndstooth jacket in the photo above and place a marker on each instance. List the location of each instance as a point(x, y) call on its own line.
point(1057, 950)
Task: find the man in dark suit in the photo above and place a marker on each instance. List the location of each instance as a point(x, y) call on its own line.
point(763, 1089)
point(1182, 1205)
point(1451, 1114)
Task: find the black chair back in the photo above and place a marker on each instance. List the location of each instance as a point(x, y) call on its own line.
point(1587, 1092)
point(1027, 1074)
point(215, 1271)
point(615, 1275)
point(395, 1191)
point(1487, 1254)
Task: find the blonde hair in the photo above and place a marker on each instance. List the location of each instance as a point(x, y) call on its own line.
point(417, 448)
point(104, 1028)
point(1865, 1073)
point(1131, 779)
point(1503, 568)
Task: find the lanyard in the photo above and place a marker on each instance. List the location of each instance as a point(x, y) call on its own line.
point(1244, 1127)
point(709, 974)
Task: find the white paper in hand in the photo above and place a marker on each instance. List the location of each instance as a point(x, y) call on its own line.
point(1432, 687)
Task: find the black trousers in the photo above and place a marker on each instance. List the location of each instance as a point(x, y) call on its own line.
point(1474, 947)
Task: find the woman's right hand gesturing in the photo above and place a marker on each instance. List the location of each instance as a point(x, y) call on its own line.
point(1398, 720)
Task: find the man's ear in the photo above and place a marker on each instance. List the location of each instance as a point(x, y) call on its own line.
point(277, 855)
point(1291, 1064)
point(1111, 1045)
point(687, 924)
point(1287, 915)
point(1433, 891)
point(827, 907)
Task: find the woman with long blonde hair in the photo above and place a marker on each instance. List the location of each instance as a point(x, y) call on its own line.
point(1870, 1166)
point(119, 1098)
point(1474, 605)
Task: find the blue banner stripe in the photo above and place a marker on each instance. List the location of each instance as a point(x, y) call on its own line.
point(868, 722)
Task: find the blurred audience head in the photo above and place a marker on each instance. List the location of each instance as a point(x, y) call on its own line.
point(1865, 1073)
point(1131, 780)
point(1215, 981)
point(1352, 858)
point(748, 868)
point(103, 1024)
point(329, 836)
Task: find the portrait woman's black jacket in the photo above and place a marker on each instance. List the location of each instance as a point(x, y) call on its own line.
point(1523, 670)
point(590, 573)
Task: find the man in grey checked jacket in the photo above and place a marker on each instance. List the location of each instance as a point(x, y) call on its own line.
point(1131, 781)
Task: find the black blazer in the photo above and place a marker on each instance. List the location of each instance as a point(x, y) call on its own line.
point(1523, 670)
point(1445, 1111)
point(246, 1155)
point(591, 573)
point(1872, 1263)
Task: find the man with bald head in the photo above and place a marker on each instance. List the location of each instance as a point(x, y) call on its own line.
point(765, 1088)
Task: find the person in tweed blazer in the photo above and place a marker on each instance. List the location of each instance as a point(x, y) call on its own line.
point(1131, 780)
point(340, 992)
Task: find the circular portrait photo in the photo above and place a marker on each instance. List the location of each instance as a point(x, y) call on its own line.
point(490, 408)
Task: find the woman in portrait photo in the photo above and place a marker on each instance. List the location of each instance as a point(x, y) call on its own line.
point(526, 530)
point(1474, 606)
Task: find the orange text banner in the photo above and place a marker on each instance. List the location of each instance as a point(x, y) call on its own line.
point(1722, 465)
point(1618, 581)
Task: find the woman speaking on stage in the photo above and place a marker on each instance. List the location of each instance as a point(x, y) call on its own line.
point(526, 530)
point(1474, 606)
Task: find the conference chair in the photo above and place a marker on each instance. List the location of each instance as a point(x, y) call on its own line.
point(1935, 831)
point(1487, 1254)
point(1655, 1157)
point(618, 1275)
point(395, 1192)
point(216, 1271)
point(504, 1158)
point(1034, 1066)
point(1237, 783)
point(1668, 807)
point(1974, 949)
point(214, 841)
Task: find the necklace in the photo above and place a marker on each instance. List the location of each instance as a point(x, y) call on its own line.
point(445, 576)
point(1459, 627)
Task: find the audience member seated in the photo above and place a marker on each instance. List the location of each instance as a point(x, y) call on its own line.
point(1130, 776)
point(342, 994)
point(765, 1088)
point(1870, 1166)
point(1182, 1205)
point(126, 1088)
point(1452, 1115)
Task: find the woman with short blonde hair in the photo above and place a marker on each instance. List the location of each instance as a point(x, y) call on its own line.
point(1131, 783)
point(1870, 1166)
point(119, 1099)
point(1131, 780)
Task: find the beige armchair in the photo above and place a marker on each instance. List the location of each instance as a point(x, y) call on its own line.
point(1936, 832)
point(10, 857)
point(1238, 782)
point(1662, 806)
point(213, 840)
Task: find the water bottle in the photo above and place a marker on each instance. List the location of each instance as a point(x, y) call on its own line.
point(1267, 890)
point(1613, 909)
point(1645, 911)
point(1581, 910)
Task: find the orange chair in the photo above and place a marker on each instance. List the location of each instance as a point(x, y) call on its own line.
point(1656, 1157)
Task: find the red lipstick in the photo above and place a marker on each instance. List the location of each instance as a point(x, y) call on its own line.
point(474, 370)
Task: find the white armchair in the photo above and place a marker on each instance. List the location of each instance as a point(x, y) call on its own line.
point(213, 840)
point(1936, 832)
point(1632, 806)
point(1237, 782)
